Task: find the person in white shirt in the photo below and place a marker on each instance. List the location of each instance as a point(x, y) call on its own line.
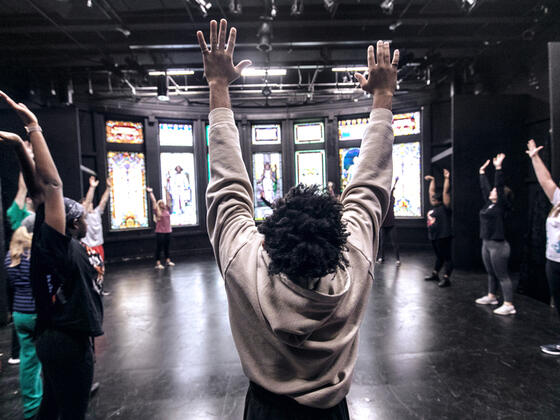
point(552, 232)
point(94, 236)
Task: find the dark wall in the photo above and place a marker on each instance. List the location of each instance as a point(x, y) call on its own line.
point(3, 297)
point(482, 127)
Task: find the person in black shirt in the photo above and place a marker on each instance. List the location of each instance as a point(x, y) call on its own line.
point(388, 229)
point(495, 247)
point(439, 229)
point(65, 284)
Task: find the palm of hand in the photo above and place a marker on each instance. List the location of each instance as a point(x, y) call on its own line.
point(218, 66)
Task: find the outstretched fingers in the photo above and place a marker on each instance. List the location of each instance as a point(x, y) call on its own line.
point(242, 65)
point(222, 34)
point(379, 53)
point(370, 57)
point(231, 40)
point(360, 78)
point(396, 56)
point(202, 42)
point(213, 35)
point(9, 100)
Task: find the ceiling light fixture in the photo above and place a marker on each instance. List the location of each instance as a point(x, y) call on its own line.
point(162, 89)
point(387, 6)
point(331, 6)
point(252, 72)
point(171, 72)
point(203, 6)
point(468, 5)
point(349, 69)
point(393, 26)
point(297, 8)
point(235, 7)
point(265, 37)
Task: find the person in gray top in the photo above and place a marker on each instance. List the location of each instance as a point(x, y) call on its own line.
point(298, 285)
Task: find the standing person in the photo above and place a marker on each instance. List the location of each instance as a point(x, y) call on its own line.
point(22, 306)
point(495, 247)
point(67, 295)
point(552, 232)
point(298, 285)
point(22, 206)
point(439, 229)
point(162, 217)
point(388, 229)
point(94, 236)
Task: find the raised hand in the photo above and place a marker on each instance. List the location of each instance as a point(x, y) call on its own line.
point(482, 169)
point(532, 148)
point(93, 182)
point(382, 73)
point(218, 60)
point(498, 160)
point(446, 173)
point(109, 182)
point(150, 190)
point(429, 178)
point(11, 139)
point(27, 117)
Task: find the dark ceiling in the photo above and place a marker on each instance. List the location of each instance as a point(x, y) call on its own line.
point(105, 48)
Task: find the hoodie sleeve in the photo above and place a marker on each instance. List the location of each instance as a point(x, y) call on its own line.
point(229, 196)
point(366, 198)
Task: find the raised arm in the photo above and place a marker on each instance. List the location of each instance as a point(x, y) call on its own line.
point(93, 183)
point(431, 189)
point(366, 198)
point(168, 199)
point(543, 175)
point(229, 196)
point(484, 184)
point(499, 177)
point(153, 200)
point(46, 173)
point(446, 189)
point(105, 197)
point(21, 192)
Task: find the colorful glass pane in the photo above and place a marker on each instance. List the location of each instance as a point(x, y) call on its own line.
point(403, 125)
point(267, 181)
point(178, 180)
point(352, 129)
point(348, 163)
point(266, 134)
point(406, 124)
point(310, 167)
point(127, 132)
point(175, 134)
point(128, 193)
point(309, 132)
point(408, 192)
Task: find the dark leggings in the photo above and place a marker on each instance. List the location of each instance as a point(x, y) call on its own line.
point(162, 244)
point(495, 255)
point(391, 232)
point(15, 343)
point(261, 404)
point(67, 362)
point(442, 248)
point(553, 277)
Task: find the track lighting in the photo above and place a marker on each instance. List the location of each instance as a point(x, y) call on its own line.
point(297, 8)
point(235, 7)
point(330, 6)
point(162, 89)
point(265, 37)
point(387, 6)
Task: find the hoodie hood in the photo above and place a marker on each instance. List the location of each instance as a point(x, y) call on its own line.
point(292, 312)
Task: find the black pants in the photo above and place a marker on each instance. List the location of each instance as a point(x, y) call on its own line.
point(495, 256)
point(391, 232)
point(67, 362)
point(162, 244)
point(15, 343)
point(442, 248)
point(261, 404)
point(553, 277)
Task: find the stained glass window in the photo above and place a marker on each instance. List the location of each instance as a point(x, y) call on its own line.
point(178, 180)
point(310, 167)
point(406, 166)
point(128, 193)
point(406, 124)
point(175, 134)
point(266, 134)
point(267, 181)
point(124, 132)
point(309, 133)
point(408, 192)
point(352, 129)
point(348, 163)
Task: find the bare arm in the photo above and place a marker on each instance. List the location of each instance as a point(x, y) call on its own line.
point(155, 207)
point(46, 171)
point(446, 189)
point(105, 197)
point(93, 183)
point(543, 175)
point(431, 189)
point(21, 192)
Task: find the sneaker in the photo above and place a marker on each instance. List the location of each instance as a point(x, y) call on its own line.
point(505, 310)
point(553, 349)
point(94, 388)
point(159, 267)
point(433, 277)
point(398, 263)
point(170, 264)
point(487, 300)
point(380, 261)
point(13, 361)
point(444, 282)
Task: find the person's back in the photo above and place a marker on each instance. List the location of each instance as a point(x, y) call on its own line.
point(298, 285)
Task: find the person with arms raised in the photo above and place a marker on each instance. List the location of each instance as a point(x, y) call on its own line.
point(297, 285)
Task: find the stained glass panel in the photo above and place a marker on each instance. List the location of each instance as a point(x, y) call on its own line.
point(309, 132)
point(310, 167)
point(266, 134)
point(178, 179)
point(128, 193)
point(406, 124)
point(408, 192)
point(175, 134)
point(403, 125)
point(267, 181)
point(348, 163)
point(352, 129)
point(124, 132)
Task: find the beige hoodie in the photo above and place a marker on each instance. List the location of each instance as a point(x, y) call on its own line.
point(293, 341)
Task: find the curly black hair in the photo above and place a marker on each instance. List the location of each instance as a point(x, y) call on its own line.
point(305, 236)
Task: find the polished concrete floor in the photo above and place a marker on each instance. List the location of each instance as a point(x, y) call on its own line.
point(424, 352)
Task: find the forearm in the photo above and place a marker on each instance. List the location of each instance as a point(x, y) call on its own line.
point(44, 164)
point(432, 187)
point(28, 171)
point(20, 197)
point(543, 176)
point(219, 95)
point(446, 193)
point(383, 101)
point(104, 200)
point(484, 185)
point(89, 196)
